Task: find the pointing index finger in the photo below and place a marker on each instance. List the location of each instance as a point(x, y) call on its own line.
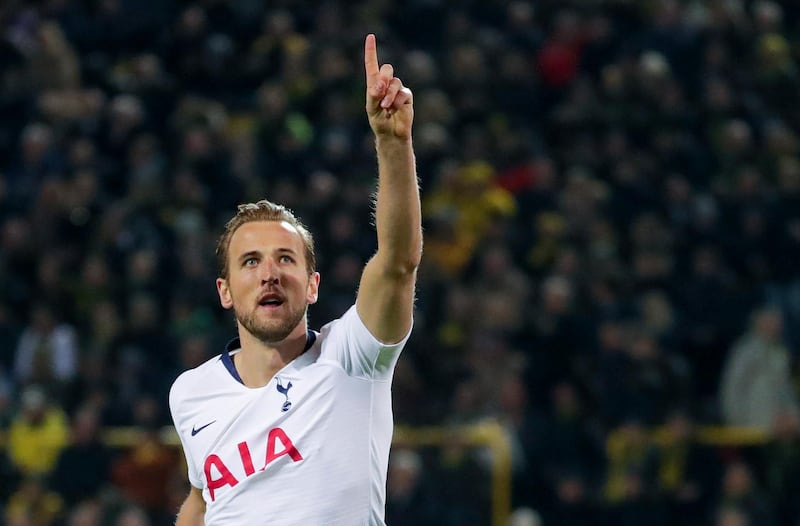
point(371, 59)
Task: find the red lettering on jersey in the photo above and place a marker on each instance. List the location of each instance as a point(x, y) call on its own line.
point(274, 436)
point(247, 459)
point(226, 477)
point(274, 452)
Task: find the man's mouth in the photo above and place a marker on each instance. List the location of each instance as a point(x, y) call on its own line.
point(270, 300)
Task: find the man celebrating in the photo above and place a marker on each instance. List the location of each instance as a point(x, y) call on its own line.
point(289, 426)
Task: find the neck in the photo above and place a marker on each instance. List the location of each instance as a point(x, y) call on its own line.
point(258, 361)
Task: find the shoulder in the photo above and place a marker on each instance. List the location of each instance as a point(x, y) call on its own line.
point(348, 342)
point(346, 330)
point(189, 380)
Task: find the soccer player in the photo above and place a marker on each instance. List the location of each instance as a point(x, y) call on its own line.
point(289, 426)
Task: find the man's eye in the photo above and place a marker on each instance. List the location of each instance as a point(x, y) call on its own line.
point(286, 259)
point(250, 262)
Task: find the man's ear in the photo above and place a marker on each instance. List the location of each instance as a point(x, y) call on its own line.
point(224, 294)
point(313, 288)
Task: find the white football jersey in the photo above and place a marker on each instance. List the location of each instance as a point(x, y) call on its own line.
point(309, 448)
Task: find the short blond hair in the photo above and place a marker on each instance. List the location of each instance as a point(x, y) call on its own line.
point(263, 211)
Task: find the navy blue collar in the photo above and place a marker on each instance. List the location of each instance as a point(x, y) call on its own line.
point(235, 344)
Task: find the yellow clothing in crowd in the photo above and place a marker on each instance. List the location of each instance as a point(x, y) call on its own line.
point(34, 447)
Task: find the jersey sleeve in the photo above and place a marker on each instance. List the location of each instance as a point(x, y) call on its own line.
point(175, 398)
point(348, 342)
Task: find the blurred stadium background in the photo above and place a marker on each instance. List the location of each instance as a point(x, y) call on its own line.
point(608, 321)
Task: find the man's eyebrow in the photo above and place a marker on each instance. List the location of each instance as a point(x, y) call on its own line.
point(249, 254)
point(258, 253)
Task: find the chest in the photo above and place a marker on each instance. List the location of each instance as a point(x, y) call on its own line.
point(232, 433)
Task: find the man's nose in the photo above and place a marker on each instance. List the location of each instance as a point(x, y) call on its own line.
point(269, 272)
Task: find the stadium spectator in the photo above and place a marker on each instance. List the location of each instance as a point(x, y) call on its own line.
point(85, 513)
point(687, 471)
point(83, 467)
point(407, 500)
point(781, 466)
point(740, 490)
point(37, 434)
point(33, 504)
point(132, 516)
point(47, 352)
point(756, 386)
point(144, 472)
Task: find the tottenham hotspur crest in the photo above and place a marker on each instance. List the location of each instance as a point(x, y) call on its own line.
point(285, 392)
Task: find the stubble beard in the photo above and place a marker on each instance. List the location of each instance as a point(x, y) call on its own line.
point(270, 331)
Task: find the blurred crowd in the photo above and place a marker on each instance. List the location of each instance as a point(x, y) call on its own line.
point(611, 195)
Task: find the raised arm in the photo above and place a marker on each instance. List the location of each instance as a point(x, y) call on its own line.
point(386, 293)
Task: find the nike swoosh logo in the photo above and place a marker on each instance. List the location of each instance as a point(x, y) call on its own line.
point(195, 431)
